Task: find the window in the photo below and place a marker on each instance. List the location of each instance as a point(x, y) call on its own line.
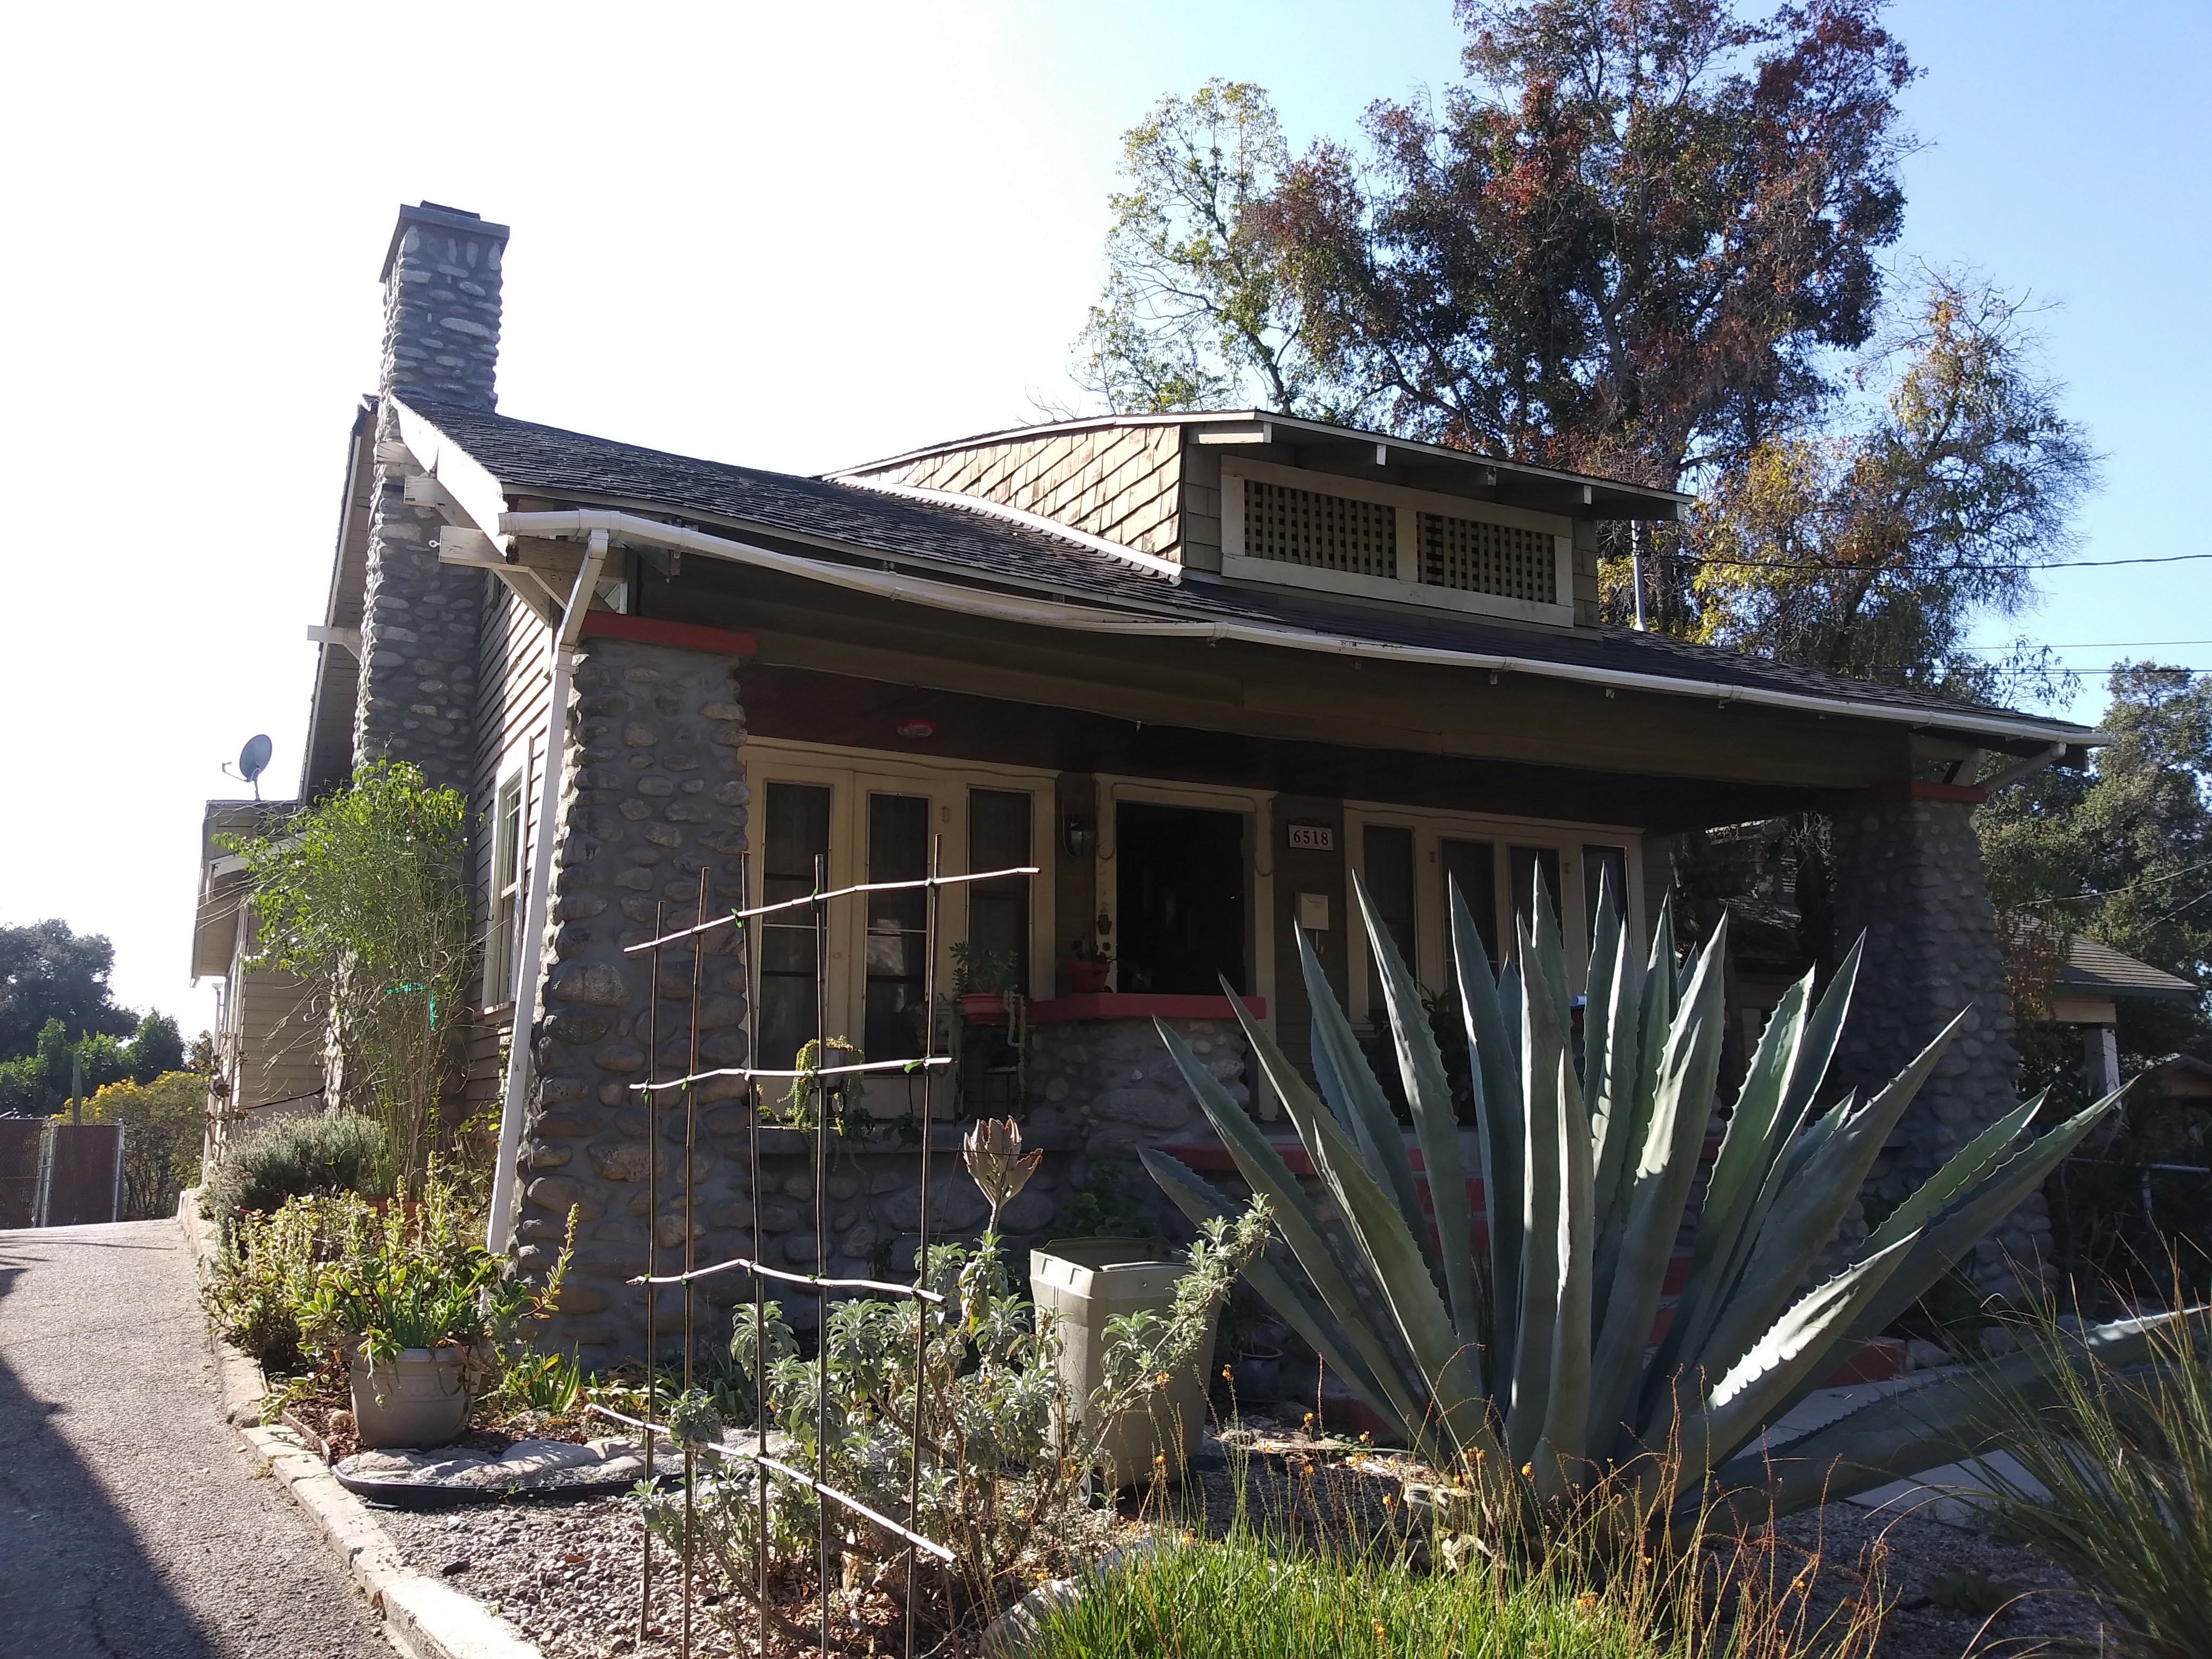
point(1494, 863)
point(1180, 893)
point(503, 927)
point(871, 818)
point(898, 928)
point(999, 911)
point(1287, 525)
point(798, 834)
point(1388, 849)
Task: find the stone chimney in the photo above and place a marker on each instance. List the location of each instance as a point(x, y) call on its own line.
point(418, 669)
point(440, 280)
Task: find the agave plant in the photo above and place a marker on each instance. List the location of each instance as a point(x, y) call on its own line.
point(1530, 1368)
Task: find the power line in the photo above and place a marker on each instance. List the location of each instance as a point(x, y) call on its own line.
point(1943, 569)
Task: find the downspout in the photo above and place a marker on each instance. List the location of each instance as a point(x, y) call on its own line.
point(512, 1106)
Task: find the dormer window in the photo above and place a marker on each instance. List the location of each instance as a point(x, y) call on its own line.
point(1291, 526)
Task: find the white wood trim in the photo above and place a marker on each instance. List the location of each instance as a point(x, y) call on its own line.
point(1406, 588)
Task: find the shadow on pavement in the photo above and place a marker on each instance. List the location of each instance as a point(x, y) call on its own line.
point(73, 1578)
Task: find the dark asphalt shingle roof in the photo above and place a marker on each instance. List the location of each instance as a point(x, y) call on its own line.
point(2091, 966)
point(529, 458)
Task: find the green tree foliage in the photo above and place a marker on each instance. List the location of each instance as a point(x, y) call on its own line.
point(1627, 242)
point(157, 1048)
point(48, 973)
point(1195, 313)
point(1643, 241)
point(362, 894)
point(42, 1082)
point(1870, 551)
point(2121, 851)
point(164, 1120)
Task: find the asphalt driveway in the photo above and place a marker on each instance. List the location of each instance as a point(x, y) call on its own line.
point(131, 1524)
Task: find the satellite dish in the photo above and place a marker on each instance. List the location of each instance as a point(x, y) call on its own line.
point(253, 761)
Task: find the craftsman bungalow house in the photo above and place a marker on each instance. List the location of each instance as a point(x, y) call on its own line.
point(1198, 670)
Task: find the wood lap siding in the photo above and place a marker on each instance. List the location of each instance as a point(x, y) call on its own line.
point(280, 1029)
point(1120, 484)
point(514, 670)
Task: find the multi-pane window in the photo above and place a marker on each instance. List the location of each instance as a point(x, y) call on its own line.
point(1387, 851)
point(898, 922)
point(798, 836)
point(999, 911)
point(503, 925)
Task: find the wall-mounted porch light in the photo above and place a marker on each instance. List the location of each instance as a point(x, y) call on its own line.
point(1081, 837)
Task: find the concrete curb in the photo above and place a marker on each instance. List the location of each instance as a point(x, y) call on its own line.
point(424, 1617)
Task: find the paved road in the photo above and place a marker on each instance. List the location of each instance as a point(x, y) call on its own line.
point(131, 1526)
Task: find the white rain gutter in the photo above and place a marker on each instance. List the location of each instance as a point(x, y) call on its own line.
point(514, 1106)
point(978, 602)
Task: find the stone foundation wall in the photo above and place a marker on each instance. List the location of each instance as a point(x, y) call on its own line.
point(1909, 873)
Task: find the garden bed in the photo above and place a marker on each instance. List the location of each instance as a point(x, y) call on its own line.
point(566, 1572)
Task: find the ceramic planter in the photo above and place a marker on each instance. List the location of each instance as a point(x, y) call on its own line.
point(419, 1397)
point(1088, 978)
point(1255, 1372)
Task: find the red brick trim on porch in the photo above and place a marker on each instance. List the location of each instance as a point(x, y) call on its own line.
point(654, 630)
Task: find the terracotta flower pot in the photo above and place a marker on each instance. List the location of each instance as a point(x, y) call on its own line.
point(1088, 978)
point(984, 1007)
point(419, 1397)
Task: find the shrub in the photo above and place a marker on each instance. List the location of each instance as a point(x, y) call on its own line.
point(164, 1122)
point(262, 1282)
point(1528, 1368)
point(362, 894)
point(298, 1157)
point(1002, 1465)
point(418, 1277)
point(2120, 1457)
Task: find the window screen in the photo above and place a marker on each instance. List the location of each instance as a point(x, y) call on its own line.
point(1388, 852)
point(999, 911)
point(1321, 532)
point(1474, 866)
point(898, 927)
point(797, 833)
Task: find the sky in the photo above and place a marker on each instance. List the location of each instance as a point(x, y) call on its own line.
point(796, 238)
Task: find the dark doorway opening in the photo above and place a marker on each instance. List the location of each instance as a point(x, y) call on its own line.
point(1180, 886)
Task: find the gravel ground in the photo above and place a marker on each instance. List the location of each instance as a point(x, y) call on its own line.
point(131, 1523)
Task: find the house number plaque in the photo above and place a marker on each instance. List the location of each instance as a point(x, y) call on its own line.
point(1312, 837)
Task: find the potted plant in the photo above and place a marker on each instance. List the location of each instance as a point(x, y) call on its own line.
point(1254, 1342)
point(1088, 965)
point(980, 980)
point(417, 1306)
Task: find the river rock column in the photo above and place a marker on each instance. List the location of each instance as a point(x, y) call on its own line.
point(654, 791)
point(1909, 874)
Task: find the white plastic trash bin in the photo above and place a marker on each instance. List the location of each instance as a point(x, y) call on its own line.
point(1082, 1283)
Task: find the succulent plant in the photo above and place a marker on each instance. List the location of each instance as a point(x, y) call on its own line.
point(1529, 1366)
point(996, 1162)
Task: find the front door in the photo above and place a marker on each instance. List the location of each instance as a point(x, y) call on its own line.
point(1180, 893)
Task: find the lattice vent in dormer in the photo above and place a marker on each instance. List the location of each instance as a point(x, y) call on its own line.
point(1318, 532)
point(1475, 557)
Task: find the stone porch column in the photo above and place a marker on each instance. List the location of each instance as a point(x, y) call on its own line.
point(1908, 872)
